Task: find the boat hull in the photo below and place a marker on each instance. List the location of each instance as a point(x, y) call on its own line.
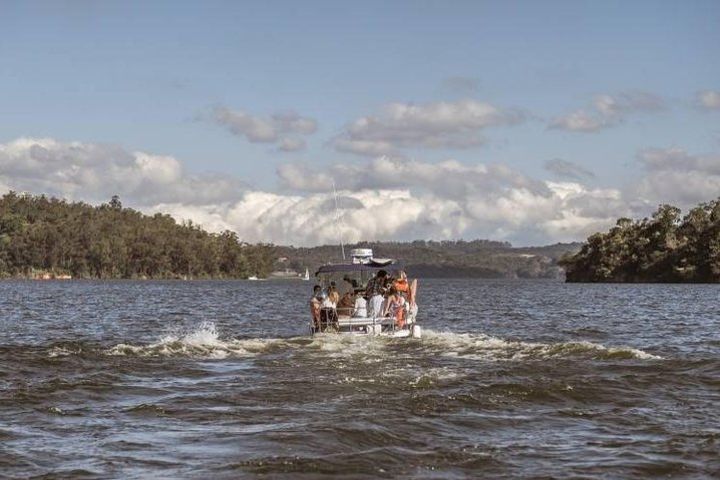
point(370, 327)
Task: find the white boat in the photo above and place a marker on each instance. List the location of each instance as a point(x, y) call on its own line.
point(307, 275)
point(351, 279)
point(253, 278)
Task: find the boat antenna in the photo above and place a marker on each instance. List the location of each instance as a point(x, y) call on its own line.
point(338, 221)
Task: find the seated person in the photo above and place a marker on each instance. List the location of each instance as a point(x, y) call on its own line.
point(346, 304)
point(360, 308)
point(395, 307)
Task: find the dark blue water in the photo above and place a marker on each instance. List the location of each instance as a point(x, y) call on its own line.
point(528, 379)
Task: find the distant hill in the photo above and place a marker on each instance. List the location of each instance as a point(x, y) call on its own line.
point(663, 248)
point(476, 258)
point(44, 237)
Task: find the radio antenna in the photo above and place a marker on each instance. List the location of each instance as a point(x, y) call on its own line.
point(338, 221)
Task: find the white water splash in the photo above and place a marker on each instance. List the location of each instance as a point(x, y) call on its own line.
point(63, 352)
point(202, 342)
point(349, 345)
point(205, 342)
point(485, 347)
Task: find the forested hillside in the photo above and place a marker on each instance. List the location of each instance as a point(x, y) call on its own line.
point(476, 258)
point(663, 248)
point(42, 236)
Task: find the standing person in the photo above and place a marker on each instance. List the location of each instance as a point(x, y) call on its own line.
point(408, 290)
point(328, 309)
point(333, 295)
point(402, 285)
point(374, 293)
point(315, 305)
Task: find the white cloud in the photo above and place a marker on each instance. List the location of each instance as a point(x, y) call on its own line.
point(449, 178)
point(283, 129)
point(379, 199)
point(628, 102)
point(367, 148)
point(94, 172)
point(708, 99)
point(485, 201)
point(581, 121)
point(291, 144)
point(608, 110)
point(675, 176)
point(431, 125)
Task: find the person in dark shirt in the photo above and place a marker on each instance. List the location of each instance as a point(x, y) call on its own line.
point(376, 285)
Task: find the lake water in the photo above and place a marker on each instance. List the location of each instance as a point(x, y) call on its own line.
point(521, 379)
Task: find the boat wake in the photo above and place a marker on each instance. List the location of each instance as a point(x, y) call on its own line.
point(485, 347)
point(205, 342)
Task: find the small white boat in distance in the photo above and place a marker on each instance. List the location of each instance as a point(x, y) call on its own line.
point(307, 275)
point(350, 280)
point(253, 278)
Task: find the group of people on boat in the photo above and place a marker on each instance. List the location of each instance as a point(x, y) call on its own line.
point(384, 296)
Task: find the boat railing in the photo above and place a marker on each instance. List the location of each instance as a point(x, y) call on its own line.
point(330, 320)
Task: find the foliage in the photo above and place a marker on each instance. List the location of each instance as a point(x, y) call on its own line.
point(663, 248)
point(460, 258)
point(40, 234)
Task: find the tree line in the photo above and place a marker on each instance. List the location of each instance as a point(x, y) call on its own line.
point(666, 247)
point(51, 236)
point(447, 258)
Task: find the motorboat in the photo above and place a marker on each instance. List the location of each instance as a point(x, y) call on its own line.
point(350, 280)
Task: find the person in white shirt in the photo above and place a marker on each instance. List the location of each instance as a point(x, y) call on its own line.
point(327, 302)
point(360, 309)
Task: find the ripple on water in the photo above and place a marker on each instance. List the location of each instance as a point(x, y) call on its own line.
point(193, 379)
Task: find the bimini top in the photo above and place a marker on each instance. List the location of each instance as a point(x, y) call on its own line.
point(373, 265)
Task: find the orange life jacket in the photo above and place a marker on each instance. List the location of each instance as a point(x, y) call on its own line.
point(401, 285)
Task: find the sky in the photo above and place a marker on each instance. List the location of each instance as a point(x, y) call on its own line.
point(526, 121)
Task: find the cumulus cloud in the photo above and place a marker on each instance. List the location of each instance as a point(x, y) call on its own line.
point(708, 99)
point(607, 111)
point(566, 169)
point(673, 175)
point(431, 125)
point(282, 129)
point(386, 198)
point(382, 199)
point(292, 144)
point(478, 200)
point(563, 215)
point(94, 172)
point(449, 178)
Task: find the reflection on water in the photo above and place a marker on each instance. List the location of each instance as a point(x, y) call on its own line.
point(511, 378)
